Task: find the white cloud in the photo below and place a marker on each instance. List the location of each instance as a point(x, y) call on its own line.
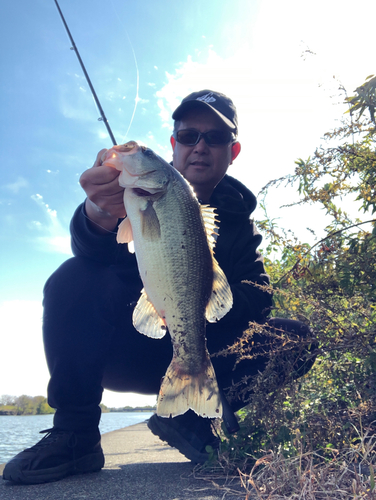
point(19, 183)
point(23, 368)
point(22, 348)
point(56, 237)
point(142, 101)
point(76, 103)
point(277, 111)
point(276, 91)
point(102, 134)
point(283, 94)
point(52, 214)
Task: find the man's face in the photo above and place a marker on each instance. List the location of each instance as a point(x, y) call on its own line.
point(203, 166)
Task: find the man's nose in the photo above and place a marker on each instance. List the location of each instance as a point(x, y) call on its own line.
point(201, 146)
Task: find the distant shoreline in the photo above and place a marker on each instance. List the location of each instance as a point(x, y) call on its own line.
point(38, 405)
point(115, 410)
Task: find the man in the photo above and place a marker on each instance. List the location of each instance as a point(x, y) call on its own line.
point(89, 339)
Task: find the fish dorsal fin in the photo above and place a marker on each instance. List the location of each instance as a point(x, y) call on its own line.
point(211, 228)
point(125, 234)
point(146, 319)
point(220, 301)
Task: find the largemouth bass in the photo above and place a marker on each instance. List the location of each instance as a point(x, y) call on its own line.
point(173, 238)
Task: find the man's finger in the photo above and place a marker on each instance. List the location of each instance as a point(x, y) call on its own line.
point(98, 161)
point(99, 175)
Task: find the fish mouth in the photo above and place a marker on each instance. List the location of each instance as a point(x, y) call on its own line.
point(141, 192)
point(153, 192)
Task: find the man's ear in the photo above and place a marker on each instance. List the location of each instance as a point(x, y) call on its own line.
point(235, 150)
point(173, 142)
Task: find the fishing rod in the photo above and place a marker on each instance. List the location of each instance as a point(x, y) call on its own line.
point(103, 116)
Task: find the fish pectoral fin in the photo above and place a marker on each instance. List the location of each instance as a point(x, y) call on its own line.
point(220, 301)
point(146, 320)
point(151, 229)
point(125, 233)
point(211, 228)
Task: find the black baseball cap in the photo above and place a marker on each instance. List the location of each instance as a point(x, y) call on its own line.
point(217, 102)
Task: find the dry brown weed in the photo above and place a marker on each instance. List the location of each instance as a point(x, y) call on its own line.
point(308, 476)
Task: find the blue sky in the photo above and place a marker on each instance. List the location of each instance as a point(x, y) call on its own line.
point(143, 58)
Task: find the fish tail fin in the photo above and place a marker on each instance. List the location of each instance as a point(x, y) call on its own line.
point(180, 392)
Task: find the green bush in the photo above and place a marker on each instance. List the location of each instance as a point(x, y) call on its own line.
point(331, 287)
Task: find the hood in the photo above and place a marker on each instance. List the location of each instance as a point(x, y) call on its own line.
point(232, 197)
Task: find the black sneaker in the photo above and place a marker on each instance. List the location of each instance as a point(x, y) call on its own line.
point(188, 433)
point(59, 454)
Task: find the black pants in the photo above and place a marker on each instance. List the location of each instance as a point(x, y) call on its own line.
point(91, 344)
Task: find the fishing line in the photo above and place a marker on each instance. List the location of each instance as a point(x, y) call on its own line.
point(137, 72)
point(103, 116)
point(137, 87)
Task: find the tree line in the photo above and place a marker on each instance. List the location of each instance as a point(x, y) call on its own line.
point(149, 408)
point(24, 405)
point(38, 405)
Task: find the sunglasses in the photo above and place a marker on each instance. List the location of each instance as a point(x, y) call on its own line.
point(190, 137)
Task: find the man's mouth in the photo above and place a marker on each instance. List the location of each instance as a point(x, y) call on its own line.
point(198, 163)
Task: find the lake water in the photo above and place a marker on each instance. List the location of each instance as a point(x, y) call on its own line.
point(19, 432)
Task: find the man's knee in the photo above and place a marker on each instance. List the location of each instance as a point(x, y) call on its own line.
point(290, 326)
point(303, 343)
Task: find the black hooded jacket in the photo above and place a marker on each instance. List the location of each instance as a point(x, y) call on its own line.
point(235, 250)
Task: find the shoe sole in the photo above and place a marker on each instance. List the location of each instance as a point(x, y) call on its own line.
point(167, 433)
point(87, 464)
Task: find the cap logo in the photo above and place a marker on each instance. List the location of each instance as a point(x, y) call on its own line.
point(207, 98)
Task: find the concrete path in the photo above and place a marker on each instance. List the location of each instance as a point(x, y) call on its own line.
point(138, 467)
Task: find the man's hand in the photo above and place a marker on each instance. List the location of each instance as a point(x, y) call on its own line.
point(104, 204)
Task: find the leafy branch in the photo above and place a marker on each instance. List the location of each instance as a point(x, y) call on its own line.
point(330, 235)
